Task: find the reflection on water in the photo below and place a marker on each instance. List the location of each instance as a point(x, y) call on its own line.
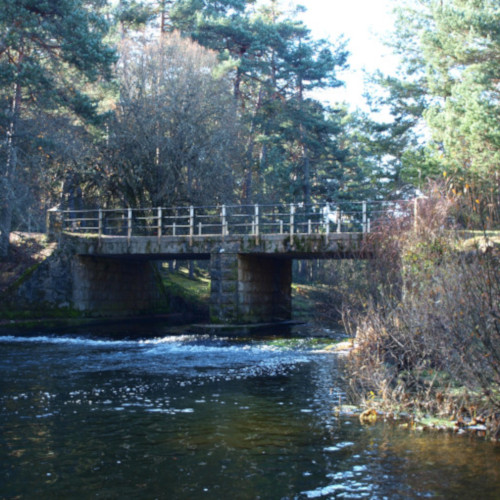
point(202, 416)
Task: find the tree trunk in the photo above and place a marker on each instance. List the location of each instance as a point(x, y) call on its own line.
point(306, 162)
point(5, 226)
point(247, 185)
point(307, 174)
point(237, 87)
point(6, 186)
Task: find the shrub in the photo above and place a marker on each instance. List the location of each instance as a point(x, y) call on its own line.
point(429, 337)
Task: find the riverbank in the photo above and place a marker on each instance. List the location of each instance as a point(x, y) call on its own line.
point(26, 251)
point(428, 334)
point(372, 409)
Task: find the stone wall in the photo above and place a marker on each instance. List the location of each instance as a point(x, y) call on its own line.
point(95, 286)
point(46, 286)
point(224, 288)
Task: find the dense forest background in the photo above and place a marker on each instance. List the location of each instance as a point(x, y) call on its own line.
point(174, 102)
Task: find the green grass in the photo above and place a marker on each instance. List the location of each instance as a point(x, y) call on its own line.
point(195, 291)
point(308, 301)
point(313, 343)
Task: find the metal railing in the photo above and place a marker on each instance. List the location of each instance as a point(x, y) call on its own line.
point(225, 220)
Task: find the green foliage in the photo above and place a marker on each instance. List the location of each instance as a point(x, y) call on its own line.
point(274, 62)
point(193, 293)
point(51, 52)
point(46, 44)
point(132, 14)
point(449, 82)
point(461, 50)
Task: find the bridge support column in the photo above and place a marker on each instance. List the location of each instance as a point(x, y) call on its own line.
point(250, 288)
point(224, 288)
point(121, 286)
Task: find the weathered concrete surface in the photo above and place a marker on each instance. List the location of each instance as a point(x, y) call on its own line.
point(109, 285)
point(251, 276)
point(66, 283)
point(333, 245)
point(264, 288)
point(224, 301)
point(250, 288)
point(48, 285)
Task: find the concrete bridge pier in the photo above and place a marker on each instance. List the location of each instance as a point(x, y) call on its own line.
point(250, 288)
point(114, 285)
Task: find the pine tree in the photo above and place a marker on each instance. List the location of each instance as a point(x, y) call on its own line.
point(48, 50)
point(451, 54)
point(275, 65)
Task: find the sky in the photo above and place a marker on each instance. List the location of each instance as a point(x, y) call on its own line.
point(365, 23)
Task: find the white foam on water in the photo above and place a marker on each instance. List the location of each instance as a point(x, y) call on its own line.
point(64, 340)
point(185, 359)
point(339, 446)
point(346, 487)
point(323, 492)
point(173, 339)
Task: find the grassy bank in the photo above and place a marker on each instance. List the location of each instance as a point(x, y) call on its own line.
point(309, 301)
point(188, 293)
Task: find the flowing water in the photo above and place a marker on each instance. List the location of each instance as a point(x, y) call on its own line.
point(189, 416)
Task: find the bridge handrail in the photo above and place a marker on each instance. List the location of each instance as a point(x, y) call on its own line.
point(225, 220)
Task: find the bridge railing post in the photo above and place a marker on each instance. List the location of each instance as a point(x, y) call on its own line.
point(191, 224)
point(256, 221)
point(159, 222)
point(99, 223)
point(55, 223)
point(129, 223)
point(365, 226)
point(225, 231)
point(339, 220)
point(292, 222)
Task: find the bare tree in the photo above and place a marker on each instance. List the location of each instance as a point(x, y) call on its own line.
point(174, 135)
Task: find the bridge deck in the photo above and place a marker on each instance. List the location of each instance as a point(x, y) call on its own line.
point(305, 246)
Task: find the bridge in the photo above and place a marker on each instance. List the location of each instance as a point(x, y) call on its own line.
point(110, 254)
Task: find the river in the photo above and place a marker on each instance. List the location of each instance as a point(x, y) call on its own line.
point(150, 412)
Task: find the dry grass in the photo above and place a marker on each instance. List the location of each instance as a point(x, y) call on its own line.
point(429, 337)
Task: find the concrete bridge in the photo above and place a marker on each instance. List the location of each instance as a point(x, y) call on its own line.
point(110, 254)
